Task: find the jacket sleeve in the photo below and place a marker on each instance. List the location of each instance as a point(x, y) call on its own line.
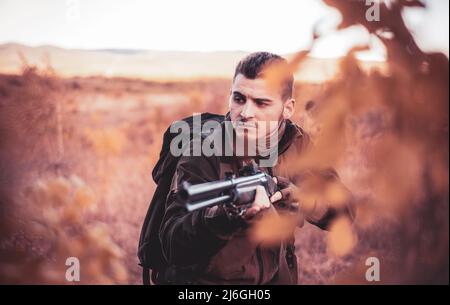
point(325, 214)
point(188, 238)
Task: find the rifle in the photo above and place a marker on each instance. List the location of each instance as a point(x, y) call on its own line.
point(237, 192)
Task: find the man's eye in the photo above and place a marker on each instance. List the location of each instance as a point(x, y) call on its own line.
point(238, 99)
point(260, 103)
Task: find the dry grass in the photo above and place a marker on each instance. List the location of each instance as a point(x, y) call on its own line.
point(111, 132)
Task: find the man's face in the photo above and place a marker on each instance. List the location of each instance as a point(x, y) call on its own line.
point(254, 103)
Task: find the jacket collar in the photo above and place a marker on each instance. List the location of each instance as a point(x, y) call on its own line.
point(291, 132)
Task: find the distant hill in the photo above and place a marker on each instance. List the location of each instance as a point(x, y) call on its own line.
point(155, 65)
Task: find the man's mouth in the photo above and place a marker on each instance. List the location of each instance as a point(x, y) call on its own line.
point(246, 125)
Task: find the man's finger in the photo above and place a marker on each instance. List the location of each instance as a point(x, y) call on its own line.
point(286, 194)
point(261, 199)
point(275, 197)
point(283, 182)
point(252, 210)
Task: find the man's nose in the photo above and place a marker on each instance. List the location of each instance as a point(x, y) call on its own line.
point(248, 111)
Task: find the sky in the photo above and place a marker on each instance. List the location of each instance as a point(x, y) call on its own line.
point(280, 26)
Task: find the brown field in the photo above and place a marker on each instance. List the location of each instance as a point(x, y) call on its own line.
point(107, 133)
point(78, 160)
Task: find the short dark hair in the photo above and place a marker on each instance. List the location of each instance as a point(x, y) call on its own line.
point(253, 65)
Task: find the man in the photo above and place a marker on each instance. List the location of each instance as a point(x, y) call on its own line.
point(209, 246)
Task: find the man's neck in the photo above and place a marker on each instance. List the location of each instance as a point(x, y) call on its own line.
point(269, 146)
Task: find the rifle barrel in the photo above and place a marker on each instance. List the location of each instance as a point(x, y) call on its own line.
point(206, 203)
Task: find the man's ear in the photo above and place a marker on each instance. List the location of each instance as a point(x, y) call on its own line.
point(289, 108)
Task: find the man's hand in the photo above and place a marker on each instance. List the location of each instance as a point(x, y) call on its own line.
point(286, 199)
point(285, 196)
point(312, 195)
point(261, 202)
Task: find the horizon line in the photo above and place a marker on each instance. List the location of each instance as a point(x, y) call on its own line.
point(124, 51)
